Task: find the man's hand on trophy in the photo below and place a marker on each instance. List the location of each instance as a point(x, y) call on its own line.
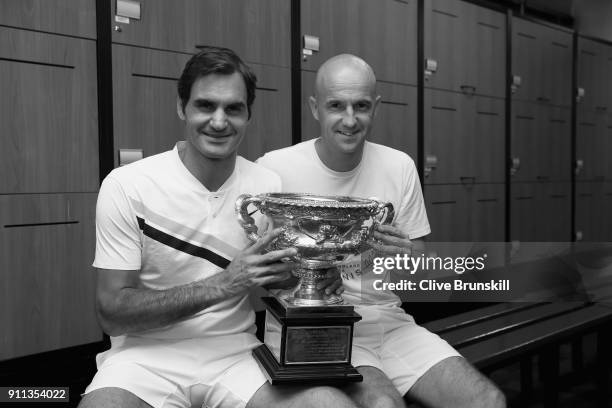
point(255, 267)
point(390, 240)
point(333, 282)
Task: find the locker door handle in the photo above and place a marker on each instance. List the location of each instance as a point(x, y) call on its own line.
point(580, 92)
point(431, 162)
point(310, 46)
point(543, 99)
point(467, 179)
point(516, 83)
point(579, 236)
point(467, 88)
point(431, 66)
point(601, 108)
point(578, 166)
point(515, 165)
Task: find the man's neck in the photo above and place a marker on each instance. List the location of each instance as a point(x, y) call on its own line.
point(338, 161)
point(212, 173)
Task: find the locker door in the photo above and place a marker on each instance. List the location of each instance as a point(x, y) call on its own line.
point(395, 124)
point(527, 141)
point(446, 37)
point(607, 135)
point(383, 33)
point(589, 73)
point(447, 211)
point(558, 68)
point(556, 212)
point(488, 38)
point(270, 126)
point(525, 212)
point(606, 81)
point(144, 99)
point(449, 124)
point(591, 214)
point(165, 25)
point(557, 159)
point(487, 212)
point(47, 245)
point(77, 18)
point(310, 127)
point(527, 59)
point(48, 113)
point(257, 30)
point(465, 213)
point(488, 140)
point(590, 145)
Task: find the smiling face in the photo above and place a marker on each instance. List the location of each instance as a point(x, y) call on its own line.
point(345, 105)
point(216, 115)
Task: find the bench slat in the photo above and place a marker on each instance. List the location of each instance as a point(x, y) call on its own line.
point(528, 338)
point(482, 330)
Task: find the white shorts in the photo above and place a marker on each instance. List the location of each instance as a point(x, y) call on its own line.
point(205, 372)
point(387, 338)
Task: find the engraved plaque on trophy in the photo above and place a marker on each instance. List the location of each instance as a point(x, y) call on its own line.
point(308, 333)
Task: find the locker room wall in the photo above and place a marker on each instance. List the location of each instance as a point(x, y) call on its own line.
point(49, 167)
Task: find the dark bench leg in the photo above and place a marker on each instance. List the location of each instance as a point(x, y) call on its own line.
point(604, 360)
point(549, 373)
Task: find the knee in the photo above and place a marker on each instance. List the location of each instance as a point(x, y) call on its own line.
point(324, 397)
point(387, 401)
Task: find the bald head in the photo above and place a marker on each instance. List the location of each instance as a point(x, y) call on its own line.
point(344, 69)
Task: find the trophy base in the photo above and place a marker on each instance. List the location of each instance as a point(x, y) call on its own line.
point(307, 344)
point(278, 374)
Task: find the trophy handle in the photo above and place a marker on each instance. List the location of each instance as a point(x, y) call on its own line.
point(244, 218)
point(389, 213)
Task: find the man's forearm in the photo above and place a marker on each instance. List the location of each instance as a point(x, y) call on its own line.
point(139, 309)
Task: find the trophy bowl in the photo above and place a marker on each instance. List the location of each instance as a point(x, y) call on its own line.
point(324, 229)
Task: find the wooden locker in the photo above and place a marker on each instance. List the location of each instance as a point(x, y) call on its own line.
point(541, 138)
point(395, 124)
point(542, 59)
point(270, 126)
point(556, 125)
point(257, 30)
point(383, 33)
point(69, 17)
point(465, 213)
point(468, 44)
point(165, 25)
point(591, 213)
point(592, 75)
point(592, 134)
point(540, 212)
point(47, 244)
point(466, 135)
point(48, 113)
point(144, 99)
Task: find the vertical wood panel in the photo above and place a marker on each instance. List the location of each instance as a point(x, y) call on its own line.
point(466, 134)
point(383, 33)
point(257, 30)
point(270, 126)
point(47, 283)
point(48, 113)
point(69, 17)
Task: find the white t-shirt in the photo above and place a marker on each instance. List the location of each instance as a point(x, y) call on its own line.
point(155, 216)
point(384, 173)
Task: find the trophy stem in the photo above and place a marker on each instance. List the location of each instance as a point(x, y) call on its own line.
point(306, 292)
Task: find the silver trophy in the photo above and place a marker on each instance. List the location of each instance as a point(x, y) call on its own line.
point(308, 334)
point(324, 229)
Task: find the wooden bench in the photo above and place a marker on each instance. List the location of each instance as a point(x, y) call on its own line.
point(498, 335)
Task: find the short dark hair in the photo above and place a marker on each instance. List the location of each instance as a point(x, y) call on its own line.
point(215, 60)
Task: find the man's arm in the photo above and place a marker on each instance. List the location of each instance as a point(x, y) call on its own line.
point(124, 306)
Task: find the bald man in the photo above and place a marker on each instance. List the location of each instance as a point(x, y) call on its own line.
point(397, 358)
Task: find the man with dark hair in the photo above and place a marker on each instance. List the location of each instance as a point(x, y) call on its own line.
point(173, 276)
point(396, 357)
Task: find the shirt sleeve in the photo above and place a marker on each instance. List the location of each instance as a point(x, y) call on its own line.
point(411, 216)
point(118, 238)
